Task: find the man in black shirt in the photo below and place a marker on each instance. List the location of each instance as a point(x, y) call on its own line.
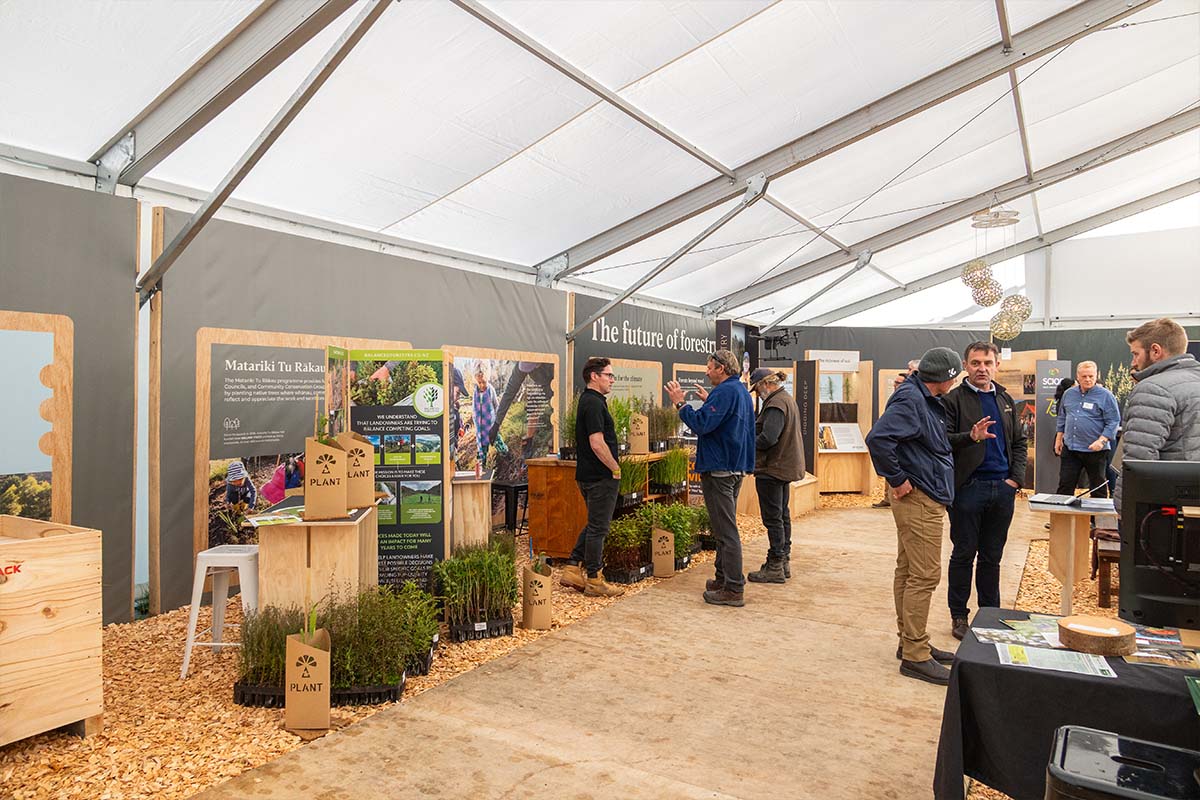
point(598, 474)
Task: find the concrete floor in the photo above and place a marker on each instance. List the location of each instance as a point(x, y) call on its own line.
point(796, 695)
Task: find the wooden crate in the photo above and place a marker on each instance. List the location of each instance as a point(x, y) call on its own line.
point(51, 672)
point(300, 564)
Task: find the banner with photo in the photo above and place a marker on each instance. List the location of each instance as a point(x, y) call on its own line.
point(263, 401)
point(25, 471)
point(503, 411)
point(397, 401)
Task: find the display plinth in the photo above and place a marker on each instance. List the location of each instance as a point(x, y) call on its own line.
point(299, 564)
point(802, 499)
point(846, 472)
point(471, 517)
point(51, 672)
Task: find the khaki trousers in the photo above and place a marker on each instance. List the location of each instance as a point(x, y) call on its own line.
point(918, 568)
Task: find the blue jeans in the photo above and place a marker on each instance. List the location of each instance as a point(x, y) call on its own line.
point(979, 521)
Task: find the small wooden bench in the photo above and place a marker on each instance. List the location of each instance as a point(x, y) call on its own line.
point(1106, 551)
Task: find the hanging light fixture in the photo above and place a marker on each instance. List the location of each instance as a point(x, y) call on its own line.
point(1004, 326)
point(1018, 306)
point(995, 216)
point(988, 294)
point(976, 273)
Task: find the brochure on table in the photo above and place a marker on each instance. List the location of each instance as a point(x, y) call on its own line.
point(397, 402)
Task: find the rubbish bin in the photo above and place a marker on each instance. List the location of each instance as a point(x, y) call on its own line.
point(1087, 764)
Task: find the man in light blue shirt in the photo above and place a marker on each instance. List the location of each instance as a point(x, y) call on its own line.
point(1087, 421)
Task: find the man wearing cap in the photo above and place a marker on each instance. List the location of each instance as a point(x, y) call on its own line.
point(989, 465)
point(886, 502)
point(724, 428)
point(778, 460)
point(910, 449)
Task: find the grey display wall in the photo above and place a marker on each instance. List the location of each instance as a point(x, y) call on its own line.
point(895, 346)
point(73, 252)
point(235, 276)
point(641, 334)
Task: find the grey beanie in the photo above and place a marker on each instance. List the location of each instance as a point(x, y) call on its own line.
point(939, 364)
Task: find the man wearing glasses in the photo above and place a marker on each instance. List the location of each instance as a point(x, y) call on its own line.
point(598, 475)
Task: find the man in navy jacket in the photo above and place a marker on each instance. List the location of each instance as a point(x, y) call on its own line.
point(724, 427)
point(910, 449)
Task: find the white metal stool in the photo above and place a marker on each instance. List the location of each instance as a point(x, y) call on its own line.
point(220, 561)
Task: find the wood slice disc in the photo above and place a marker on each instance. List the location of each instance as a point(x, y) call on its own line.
point(1101, 636)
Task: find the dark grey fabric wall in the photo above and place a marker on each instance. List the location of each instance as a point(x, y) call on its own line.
point(73, 252)
point(893, 347)
point(235, 276)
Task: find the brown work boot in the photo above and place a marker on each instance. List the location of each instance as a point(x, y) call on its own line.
point(571, 575)
point(712, 585)
point(724, 597)
point(598, 587)
point(770, 572)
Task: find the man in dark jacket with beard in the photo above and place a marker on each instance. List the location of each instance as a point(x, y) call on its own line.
point(989, 464)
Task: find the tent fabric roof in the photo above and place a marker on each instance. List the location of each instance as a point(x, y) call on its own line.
point(439, 130)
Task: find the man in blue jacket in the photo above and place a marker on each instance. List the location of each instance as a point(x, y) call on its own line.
point(724, 427)
point(911, 450)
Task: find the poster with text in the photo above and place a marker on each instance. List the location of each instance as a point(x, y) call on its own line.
point(692, 378)
point(24, 468)
point(337, 390)
point(1022, 387)
point(397, 400)
point(640, 379)
point(1045, 463)
point(263, 402)
point(502, 413)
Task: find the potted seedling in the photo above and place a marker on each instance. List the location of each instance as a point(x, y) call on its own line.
point(566, 430)
point(478, 587)
point(621, 409)
point(632, 487)
point(372, 638)
point(668, 475)
point(626, 551)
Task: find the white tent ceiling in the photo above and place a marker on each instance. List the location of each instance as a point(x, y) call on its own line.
point(440, 131)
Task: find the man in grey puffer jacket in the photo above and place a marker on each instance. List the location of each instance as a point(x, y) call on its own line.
point(1162, 414)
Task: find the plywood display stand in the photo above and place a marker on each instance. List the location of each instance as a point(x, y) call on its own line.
point(51, 672)
point(471, 515)
point(299, 564)
point(58, 377)
point(850, 471)
point(804, 497)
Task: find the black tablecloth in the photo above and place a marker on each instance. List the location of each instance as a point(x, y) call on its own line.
point(999, 721)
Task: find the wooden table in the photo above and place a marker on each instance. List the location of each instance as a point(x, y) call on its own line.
point(1070, 537)
point(302, 563)
point(471, 514)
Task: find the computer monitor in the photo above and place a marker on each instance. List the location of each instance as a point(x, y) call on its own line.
point(1160, 543)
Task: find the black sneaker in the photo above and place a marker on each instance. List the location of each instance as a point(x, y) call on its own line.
point(940, 656)
point(929, 671)
point(960, 627)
